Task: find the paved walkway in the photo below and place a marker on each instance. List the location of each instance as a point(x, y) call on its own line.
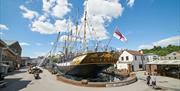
point(22, 81)
point(165, 83)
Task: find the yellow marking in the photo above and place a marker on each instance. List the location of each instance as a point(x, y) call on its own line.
point(78, 60)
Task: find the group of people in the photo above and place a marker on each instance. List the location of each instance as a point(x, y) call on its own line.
point(151, 80)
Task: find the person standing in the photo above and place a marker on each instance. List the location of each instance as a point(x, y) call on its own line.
point(154, 81)
point(148, 79)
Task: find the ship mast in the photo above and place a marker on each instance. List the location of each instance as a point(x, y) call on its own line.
point(66, 41)
point(65, 48)
point(71, 38)
point(77, 33)
point(54, 48)
point(85, 44)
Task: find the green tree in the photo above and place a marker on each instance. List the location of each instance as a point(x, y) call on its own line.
point(162, 51)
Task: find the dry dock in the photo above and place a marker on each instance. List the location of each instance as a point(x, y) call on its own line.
point(22, 81)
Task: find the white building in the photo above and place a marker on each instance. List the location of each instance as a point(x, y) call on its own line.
point(150, 57)
point(171, 56)
point(130, 60)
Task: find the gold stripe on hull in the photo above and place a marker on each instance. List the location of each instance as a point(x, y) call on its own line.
point(96, 58)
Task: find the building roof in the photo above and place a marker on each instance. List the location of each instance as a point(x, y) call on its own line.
point(9, 42)
point(120, 52)
point(165, 62)
point(134, 52)
point(24, 58)
point(151, 54)
point(2, 42)
point(173, 53)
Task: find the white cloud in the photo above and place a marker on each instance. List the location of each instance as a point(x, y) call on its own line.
point(39, 44)
point(43, 23)
point(24, 44)
point(120, 49)
point(71, 38)
point(3, 27)
point(47, 4)
point(98, 17)
point(42, 18)
point(57, 8)
point(43, 27)
point(100, 13)
point(104, 12)
point(29, 14)
point(61, 8)
point(52, 43)
point(145, 47)
point(107, 9)
point(130, 3)
point(1, 33)
point(61, 25)
point(175, 40)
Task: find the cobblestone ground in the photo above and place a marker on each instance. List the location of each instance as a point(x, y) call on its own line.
point(22, 81)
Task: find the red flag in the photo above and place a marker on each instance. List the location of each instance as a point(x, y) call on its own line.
point(119, 36)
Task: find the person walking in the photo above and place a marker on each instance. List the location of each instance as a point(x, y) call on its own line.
point(148, 79)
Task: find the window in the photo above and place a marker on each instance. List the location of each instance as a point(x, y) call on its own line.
point(135, 57)
point(148, 59)
point(127, 58)
point(122, 58)
point(169, 57)
point(174, 53)
point(140, 65)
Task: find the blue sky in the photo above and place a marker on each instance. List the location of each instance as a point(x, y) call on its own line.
point(145, 23)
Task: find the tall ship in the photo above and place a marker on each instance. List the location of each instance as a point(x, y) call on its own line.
point(76, 57)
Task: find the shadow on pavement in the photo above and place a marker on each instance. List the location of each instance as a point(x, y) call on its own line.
point(15, 84)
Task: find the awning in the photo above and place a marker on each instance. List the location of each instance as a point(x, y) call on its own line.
point(165, 62)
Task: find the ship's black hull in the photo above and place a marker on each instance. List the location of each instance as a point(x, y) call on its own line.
point(84, 71)
point(89, 64)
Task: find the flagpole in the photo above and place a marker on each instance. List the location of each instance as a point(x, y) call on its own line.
point(110, 39)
